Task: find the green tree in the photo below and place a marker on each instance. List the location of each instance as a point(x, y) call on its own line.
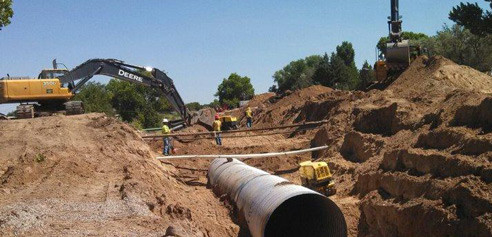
point(96, 98)
point(344, 77)
point(297, 74)
point(323, 74)
point(336, 71)
point(137, 103)
point(473, 18)
point(366, 75)
point(344, 71)
point(214, 104)
point(126, 100)
point(194, 106)
point(462, 47)
point(234, 89)
point(6, 12)
point(346, 52)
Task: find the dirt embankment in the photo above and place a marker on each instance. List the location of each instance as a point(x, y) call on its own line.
point(418, 155)
point(93, 175)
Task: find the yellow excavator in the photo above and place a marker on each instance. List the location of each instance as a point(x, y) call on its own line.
point(399, 53)
point(52, 90)
point(46, 90)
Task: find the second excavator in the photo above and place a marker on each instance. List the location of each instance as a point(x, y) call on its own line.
point(399, 52)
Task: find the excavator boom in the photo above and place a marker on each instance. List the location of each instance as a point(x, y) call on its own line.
point(397, 50)
point(394, 22)
point(78, 76)
point(397, 55)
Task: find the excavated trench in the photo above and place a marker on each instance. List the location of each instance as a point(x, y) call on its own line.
point(414, 160)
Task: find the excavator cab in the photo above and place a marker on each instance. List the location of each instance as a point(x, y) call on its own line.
point(52, 73)
point(317, 176)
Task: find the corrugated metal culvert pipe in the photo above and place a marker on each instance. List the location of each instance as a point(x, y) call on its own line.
point(273, 206)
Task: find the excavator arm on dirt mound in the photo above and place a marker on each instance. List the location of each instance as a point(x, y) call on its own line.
point(78, 76)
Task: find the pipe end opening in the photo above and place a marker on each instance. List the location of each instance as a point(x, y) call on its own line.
point(307, 215)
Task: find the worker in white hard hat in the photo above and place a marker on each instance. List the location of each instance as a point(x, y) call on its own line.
point(166, 140)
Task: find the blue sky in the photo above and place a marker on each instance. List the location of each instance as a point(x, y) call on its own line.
point(198, 43)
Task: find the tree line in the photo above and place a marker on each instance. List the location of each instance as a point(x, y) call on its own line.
point(337, 70)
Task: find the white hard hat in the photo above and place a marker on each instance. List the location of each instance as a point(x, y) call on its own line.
point(165, 121)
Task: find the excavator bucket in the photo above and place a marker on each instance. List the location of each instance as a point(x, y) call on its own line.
point(398, 55)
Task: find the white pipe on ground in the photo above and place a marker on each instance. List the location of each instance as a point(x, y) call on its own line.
point(239, 156)
point(273, 206)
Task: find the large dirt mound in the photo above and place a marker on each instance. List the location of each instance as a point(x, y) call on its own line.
point(438, 76)
point(93, 175)
point(261, 100)
point(286, 109)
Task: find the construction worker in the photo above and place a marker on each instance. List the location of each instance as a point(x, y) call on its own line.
point(216, 126)
point(249, 117)
point(166, 140)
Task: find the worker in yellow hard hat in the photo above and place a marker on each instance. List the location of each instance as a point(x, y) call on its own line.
point(216, 125)
point(249, 117)
point(166, 140)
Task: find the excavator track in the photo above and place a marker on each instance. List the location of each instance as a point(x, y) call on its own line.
point(74, 107)
point(24, 111)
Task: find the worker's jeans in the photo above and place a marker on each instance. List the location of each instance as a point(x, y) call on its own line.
point(166, 146)
point(249, 122)
point(218, 139)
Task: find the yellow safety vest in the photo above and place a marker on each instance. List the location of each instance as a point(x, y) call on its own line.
point(217, 125)
point(249, 114)
point(165, 129)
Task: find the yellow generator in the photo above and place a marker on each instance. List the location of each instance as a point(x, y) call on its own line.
point(228, 122)
point(44, 95)
point(317, 176)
